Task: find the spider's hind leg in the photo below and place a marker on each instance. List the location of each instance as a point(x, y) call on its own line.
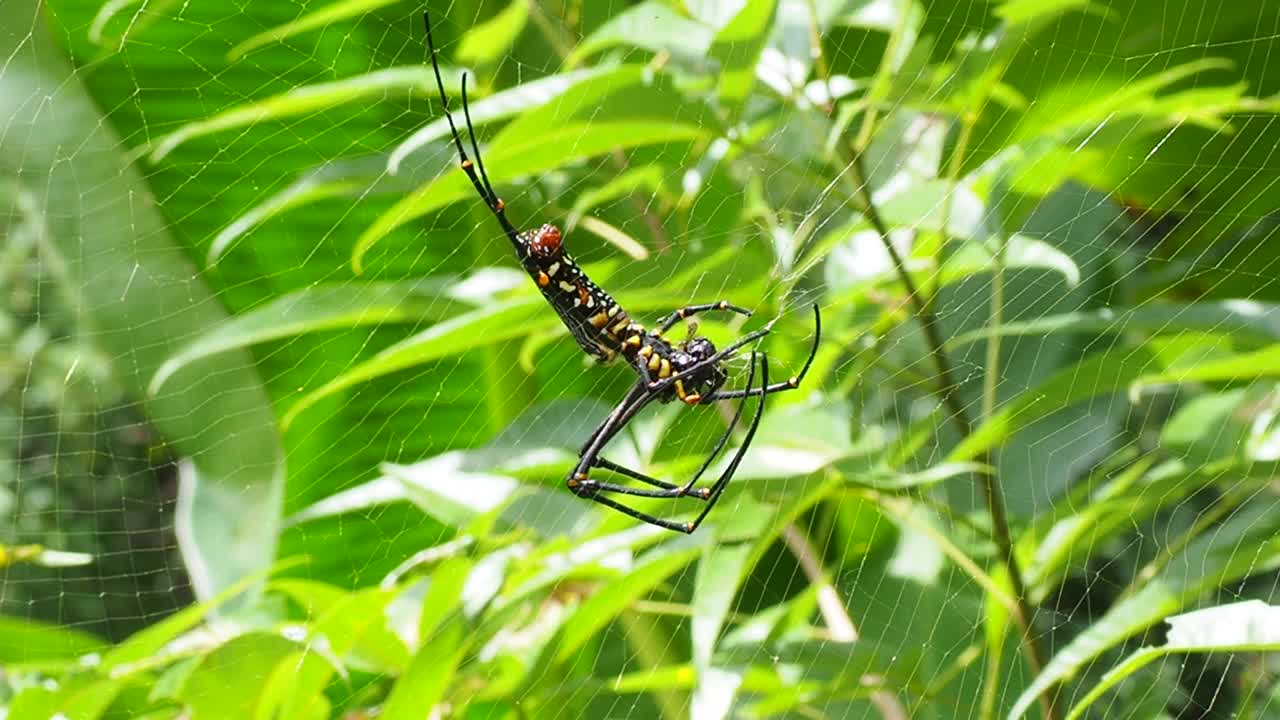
point(594, 490)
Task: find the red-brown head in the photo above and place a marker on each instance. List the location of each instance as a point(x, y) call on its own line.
point(546, 242)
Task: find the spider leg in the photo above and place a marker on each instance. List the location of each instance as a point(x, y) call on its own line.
point(712, 495)
point(718, 488)
point(491, 200)
point(669, 321)
point(789, 384)
point(670, 490)
point(624, 411)
point(745, 340)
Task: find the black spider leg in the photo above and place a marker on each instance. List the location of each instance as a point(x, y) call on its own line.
point(490, 198)
point(717, 488)
point(790, 384)
point(669, 490)
point(685, 312)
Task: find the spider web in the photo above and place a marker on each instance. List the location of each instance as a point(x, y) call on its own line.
point(1153, 211)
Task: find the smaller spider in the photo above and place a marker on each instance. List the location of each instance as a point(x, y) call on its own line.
point(691, 371)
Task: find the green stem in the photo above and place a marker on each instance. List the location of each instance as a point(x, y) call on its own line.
point(948, 390)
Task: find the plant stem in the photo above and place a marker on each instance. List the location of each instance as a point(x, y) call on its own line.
point(833, 611)
point(990, 482)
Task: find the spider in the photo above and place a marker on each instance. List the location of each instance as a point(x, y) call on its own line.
point(691, 371)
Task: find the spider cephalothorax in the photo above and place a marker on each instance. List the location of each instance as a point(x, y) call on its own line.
point(692, 372)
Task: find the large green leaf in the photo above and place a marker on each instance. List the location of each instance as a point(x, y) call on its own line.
point(142, 300)
point(737, 47)
point(1107, 372)
point(314, 309)
point(1250, 626)
point(621, 109)
point(1247, 543)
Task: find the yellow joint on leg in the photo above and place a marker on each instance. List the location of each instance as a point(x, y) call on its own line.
point(793, 381)
point(680, 389)
point(502, 205)
point(655, 361)
point(466, 164)
point(664, 368)
point(634, 341)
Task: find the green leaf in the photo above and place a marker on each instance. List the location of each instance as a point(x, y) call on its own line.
point(1245, 544)
point(1020, 252)
point(443, 489)
point(500, 105)
point(1022, 12)
point(315, 309)
point(149, 642)
point(327, 15)
point(627, 107)
point(25, 641)
point(652, 26)
point(423, 685)
point(295, 688)
point(444, 595)
point(1263, 363)
point(484, 326)
point(1250, 626)
point(737, 47)
point(357, 632)
point(1245, 318)
point(602, 607)
point(1099, 374)
point(236, 679)
point(76, 699)
point(357, 177)
point(487, 42)
point(300, 101)
point(1071, 116)
point(646, 178)
point(140, 299)
point(889, 480)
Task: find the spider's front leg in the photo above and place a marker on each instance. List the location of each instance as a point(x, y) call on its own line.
point(689, 311)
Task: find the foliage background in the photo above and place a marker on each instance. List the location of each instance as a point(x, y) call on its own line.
point(211, 273)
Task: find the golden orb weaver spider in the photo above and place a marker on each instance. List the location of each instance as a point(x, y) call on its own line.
point(691, 371)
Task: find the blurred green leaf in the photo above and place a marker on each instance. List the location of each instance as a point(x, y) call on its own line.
point(737, 48)
point(329, 14)
point(149, 642)
point(1248, 319)
point(490, 40)
point(423, 685)
point(483, 326)
point(604, 605)
point(650, 25)
point(1100, 374)
point(29, 641)
point(1250, 626)
point(1247, 543)
point(314, 309)
point(617, 110)
point(498, 106)
point(300, 101)
point(141, 299)
point(1263, 363)
point(79, 699)
point(235, 680)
